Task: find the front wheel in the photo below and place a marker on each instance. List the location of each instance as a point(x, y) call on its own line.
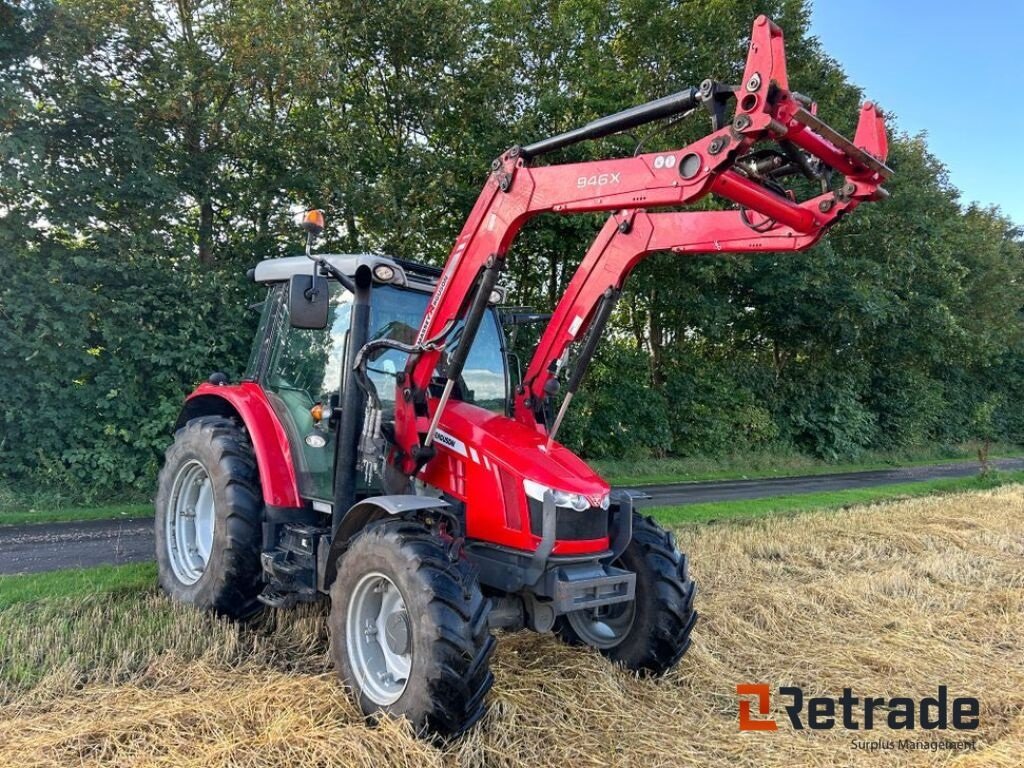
point(409, 631)
point(651, 633)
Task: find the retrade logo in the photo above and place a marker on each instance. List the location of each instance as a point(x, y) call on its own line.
point(854, 712)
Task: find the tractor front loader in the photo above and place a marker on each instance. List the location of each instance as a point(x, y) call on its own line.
point(377, 452)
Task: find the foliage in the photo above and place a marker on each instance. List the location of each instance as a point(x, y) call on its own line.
point(618, 414)
point(150, 153)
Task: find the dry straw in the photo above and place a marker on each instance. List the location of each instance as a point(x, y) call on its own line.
point(889, 600)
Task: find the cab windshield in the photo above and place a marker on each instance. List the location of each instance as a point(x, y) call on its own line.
point(396, 314)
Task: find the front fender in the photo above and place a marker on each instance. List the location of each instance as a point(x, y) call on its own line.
point(248, 402)
point(362, 514)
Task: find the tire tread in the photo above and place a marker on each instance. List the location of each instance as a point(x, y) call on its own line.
point(457, 677)
point(233, 591)
point(670, 601)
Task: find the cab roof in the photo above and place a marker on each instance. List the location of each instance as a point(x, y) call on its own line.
point(407, 273)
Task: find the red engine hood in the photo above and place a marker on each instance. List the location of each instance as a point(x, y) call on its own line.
point(517, 449)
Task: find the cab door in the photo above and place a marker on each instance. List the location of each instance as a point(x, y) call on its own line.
point(303, 370)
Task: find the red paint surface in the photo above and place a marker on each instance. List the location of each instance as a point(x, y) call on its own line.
point(269, 441)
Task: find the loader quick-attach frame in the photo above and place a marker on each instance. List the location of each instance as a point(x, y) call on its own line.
point(724, 163)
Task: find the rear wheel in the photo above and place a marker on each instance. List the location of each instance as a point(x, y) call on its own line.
point(651, 633)
point(208, 515)
point(409, 629)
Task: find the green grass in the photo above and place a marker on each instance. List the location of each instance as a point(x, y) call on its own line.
point(806, 502)
point(111, 623)
point(780, 463)
point(21, 504)
point(64, 514)
point(76, 582)
point(108, 624)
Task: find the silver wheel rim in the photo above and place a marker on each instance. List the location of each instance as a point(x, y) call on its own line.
point(378, 635)
point(604, 627)
point(190, 522)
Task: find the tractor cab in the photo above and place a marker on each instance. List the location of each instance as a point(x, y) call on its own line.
point(301, 369)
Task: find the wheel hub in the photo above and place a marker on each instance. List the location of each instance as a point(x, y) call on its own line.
point(397, 632)
point(190, 522)
point(379, 638)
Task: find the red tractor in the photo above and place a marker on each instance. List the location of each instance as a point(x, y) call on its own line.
point(378, 452)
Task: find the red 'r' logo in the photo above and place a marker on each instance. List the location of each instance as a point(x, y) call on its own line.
point(763, 705)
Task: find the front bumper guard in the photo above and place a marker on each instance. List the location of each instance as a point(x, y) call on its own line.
point(565, 583)
point(579, 587)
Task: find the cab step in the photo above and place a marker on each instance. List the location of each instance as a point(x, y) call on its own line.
point(275, 598)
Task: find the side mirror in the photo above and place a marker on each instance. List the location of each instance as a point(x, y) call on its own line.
point(308, 302)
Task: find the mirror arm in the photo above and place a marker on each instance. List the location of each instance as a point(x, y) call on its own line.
point(323, 263)
point(334, 272)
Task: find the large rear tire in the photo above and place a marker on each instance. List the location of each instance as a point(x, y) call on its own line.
point(409, 631)
point(209, 511)
point(652, 633)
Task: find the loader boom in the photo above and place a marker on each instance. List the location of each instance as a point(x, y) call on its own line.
point(721, 163)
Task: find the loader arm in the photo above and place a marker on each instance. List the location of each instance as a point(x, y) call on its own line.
point(626, 239)
point(719, 163)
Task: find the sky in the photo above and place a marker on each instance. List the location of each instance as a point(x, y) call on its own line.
point(952, 69)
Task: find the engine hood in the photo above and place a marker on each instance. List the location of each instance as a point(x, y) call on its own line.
point(467, 429)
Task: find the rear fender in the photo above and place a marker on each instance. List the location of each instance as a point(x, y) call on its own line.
point(248, 403)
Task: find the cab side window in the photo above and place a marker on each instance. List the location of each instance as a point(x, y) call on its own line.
point(308, 362)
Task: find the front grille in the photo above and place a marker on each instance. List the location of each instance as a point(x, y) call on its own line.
point(570, 525)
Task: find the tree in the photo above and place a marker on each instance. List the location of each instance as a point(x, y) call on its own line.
point(150, 153)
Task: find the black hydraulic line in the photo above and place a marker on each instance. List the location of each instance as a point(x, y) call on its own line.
point(353, 401)
point(667, 106)
point(473, 317)
point(800, 160)
point(471, 325)
point(601, 316)
point(362, 358)
point(604, 311)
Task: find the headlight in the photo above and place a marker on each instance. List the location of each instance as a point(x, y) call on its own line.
point(384, 273)
point(575, 501)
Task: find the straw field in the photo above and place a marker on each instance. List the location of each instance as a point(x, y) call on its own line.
point(890, 600)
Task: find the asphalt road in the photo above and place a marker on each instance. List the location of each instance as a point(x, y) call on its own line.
point(731, 490)
point(53, 546)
